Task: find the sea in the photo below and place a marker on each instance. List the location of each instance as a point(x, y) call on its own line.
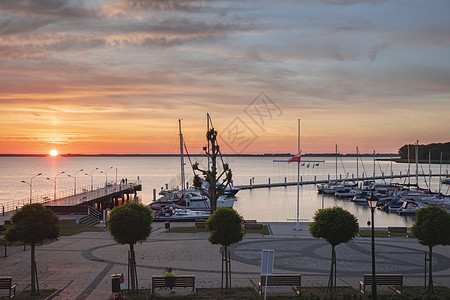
point(275, 204)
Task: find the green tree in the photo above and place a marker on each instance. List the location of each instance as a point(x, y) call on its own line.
point(336, 226)
point(432, 228)
point(225, 225)
point(33, 224)
point(128, 224)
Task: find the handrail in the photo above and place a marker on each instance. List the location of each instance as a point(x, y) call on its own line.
point(65, 198)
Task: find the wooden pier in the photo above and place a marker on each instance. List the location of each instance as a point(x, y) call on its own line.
point(100, 198)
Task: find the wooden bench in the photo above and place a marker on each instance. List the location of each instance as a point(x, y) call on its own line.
point(6, 284)
point(397, 230)
point(294, 281)
point(173, 282)
point(383, 279)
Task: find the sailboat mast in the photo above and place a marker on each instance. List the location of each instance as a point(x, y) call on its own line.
point(336, 164)
point(297, 226)
point(207, 130)
point(373, 165)
point(417, 163)
point(357, 166)
point(440, 173)
point(182, 160)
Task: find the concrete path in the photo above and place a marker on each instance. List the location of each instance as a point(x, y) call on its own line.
point(81, 265)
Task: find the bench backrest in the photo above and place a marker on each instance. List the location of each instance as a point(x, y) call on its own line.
point(5, 282)
point(173, 281)
point(384, 279)
point(398, 229)
point(281, 280)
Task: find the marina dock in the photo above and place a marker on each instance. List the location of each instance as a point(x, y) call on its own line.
point(270, 184)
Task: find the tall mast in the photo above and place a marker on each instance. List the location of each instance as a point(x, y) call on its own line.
point(429, 170)
point(336, 163)
point(207, 130)
point(297, 226)
point(182, 160)
point(417, 163)
point(373, 165)
point(440, 173)
point(357, 166)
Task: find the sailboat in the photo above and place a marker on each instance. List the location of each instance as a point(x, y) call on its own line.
point(170, 206)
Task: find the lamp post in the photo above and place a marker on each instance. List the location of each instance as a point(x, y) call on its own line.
point(92, 181)
point(372, 202)
point(31, 184)
point(106, 173)
point(75, 177)
point(54, 181)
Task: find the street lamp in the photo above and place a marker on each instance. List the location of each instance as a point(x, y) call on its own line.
point(106, 172)
point(372, 202)
point(75, 178)
point(31, 184)
point(92, 182)
point(54, 181)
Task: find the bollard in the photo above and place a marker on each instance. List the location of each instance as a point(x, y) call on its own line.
point(328, 177)
point(315, 178)
point(167, 186)
point(301, 180)
point(269, 181)
point(3, 209)
point(154, 194)
point(285, 181)
point(340, 176)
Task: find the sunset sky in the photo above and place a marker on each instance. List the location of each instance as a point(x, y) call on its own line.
point(114, 76)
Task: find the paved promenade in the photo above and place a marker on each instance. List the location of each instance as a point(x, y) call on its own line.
point(81, 265)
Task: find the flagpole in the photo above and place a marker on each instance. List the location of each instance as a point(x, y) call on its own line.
point(297, 226)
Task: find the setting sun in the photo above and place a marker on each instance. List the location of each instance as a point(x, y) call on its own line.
point(54, 152)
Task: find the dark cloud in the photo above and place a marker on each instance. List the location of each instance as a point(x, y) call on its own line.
point(61, 8)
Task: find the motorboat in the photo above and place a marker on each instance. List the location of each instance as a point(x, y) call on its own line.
point(410, 207)
point(446, 180)
point(168, 213)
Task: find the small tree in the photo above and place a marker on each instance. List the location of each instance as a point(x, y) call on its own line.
point(336, 226)
point(432, 228)
point(128, 224)
point(33, 224)
point(225, 225)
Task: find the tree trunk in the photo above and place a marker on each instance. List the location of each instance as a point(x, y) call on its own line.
point(330, 279)
point(131, 268)
point(33, 269)
point(226, 269)
point(430, 278)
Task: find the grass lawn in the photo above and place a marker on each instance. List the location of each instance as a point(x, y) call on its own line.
point(316, 293)
point(193, 229)
point(43, 294)
point(382, 233)
point(69, 227)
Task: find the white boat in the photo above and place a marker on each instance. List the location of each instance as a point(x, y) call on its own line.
point(445, 180)
point(410, 207)
point(167, 213)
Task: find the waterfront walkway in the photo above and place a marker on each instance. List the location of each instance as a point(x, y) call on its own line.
point(98, 194)
point(80, 265)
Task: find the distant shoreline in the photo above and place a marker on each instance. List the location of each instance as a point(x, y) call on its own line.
point(394, 156)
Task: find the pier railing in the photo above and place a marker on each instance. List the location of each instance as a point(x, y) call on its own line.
point(69, 197)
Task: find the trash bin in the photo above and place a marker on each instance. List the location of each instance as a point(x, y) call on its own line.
point(117, 282)
point(167, 225)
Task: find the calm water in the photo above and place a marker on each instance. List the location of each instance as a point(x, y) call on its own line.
point(275, 204)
